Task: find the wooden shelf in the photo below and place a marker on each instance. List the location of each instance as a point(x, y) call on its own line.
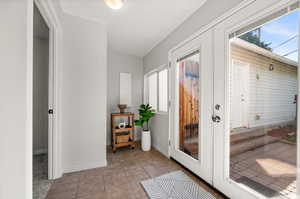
point(122, 114)
point(116, 139)
point(122, 130)
point(130, 143)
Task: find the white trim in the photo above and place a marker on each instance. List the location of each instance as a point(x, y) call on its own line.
point(84, 166)
point(48, 12)
point(54, 143)
point(29, 103)
point(259, 50)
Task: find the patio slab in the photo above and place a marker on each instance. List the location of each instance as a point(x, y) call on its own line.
point(272, 165)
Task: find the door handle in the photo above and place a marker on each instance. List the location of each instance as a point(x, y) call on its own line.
point(216, 118)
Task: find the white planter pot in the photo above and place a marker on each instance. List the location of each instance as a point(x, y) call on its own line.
point(146, 140)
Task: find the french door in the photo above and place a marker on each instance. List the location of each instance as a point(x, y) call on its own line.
point(234, 111)
point(191, 93)
point(253, 159)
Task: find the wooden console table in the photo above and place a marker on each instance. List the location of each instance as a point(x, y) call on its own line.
point(122, 137)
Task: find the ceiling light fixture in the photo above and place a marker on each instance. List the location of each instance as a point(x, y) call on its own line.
point(115, 4)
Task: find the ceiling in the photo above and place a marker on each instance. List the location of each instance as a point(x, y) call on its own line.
point(140, 25)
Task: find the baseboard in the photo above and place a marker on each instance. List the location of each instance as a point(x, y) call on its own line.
point(40, 151)
point(165, 153)
point(82, 167)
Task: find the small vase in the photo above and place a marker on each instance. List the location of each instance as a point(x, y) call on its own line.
point(122, 107)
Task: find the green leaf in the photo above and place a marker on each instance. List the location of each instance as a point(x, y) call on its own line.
point(138, 122)
point(146, 113)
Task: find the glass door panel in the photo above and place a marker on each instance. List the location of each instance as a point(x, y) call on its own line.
point(256, 85)
point(263, 107)
point(188, 69)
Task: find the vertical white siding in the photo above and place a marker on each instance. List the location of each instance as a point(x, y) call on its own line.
point(271, 93)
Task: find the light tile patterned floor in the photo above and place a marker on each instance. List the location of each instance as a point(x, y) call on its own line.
point(120, 179)
point(273, 165)
point(41, 184)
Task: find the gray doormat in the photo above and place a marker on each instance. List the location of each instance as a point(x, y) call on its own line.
point(175, 185)
point(260, 188)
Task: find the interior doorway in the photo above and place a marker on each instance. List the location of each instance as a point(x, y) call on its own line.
point(41, 126)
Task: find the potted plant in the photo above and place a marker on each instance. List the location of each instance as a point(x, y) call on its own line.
point(145, 114)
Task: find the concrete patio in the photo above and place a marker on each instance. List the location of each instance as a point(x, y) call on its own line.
point(271, 167)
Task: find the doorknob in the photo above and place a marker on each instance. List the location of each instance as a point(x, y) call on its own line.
point(216, 118)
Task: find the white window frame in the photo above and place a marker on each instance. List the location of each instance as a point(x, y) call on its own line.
point(146, 87)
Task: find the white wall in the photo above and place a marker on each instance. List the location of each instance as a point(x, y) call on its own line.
point(83, 93)
point(40, 95)
point(122, 63)
point(159, 56)
point(16, 99)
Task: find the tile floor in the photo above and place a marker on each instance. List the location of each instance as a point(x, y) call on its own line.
point(120, 179)
point(41, 184)
point(273, 165)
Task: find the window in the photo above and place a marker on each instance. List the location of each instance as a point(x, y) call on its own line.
point(153, 90)
point(163, 90)
point(156, 90)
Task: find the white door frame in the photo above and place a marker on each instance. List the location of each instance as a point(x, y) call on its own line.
point(54, 138)
point(221, 96)
point(203, 166)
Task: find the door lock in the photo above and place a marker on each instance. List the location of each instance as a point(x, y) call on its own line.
point(50, 111)
point(216, 118)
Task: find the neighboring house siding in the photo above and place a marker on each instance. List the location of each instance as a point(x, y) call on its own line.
point(271, 93)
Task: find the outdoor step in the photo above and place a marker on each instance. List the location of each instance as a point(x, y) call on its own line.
point(247, 134)
point(251, 144)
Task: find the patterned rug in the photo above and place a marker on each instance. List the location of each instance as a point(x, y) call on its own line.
point(175, 185)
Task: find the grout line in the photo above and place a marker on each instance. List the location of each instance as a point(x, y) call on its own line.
point(77, 187)
point(103, 178)
point(146, 171)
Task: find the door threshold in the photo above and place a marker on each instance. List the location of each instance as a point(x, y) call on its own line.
point(203, 181)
